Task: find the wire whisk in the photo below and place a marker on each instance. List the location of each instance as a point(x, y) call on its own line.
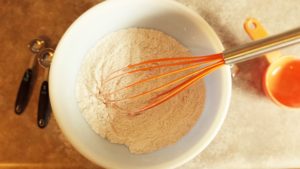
point(173, 75)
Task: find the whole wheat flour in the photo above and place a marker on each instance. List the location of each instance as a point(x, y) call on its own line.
point(158, 127)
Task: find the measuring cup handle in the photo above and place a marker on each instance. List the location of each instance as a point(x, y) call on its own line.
point(256, 31)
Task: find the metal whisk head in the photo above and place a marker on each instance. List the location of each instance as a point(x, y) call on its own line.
point(152, 82)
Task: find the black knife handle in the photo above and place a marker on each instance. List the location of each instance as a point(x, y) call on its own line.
point(24, 92)
point(43, 107)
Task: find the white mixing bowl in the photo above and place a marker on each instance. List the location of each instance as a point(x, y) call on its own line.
point(167, 16)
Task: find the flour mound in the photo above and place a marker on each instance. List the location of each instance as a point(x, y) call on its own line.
point(156, 128)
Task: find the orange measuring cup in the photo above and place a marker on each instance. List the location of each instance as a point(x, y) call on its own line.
point(281, 81)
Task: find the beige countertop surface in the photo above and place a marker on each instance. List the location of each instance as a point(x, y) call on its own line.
point(256, 133)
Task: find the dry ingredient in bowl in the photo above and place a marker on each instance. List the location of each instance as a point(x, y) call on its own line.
point(158, 127)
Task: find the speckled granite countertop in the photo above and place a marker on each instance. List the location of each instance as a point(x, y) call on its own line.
point(256, 132)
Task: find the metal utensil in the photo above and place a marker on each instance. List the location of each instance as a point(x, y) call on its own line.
point(25, 87)
point(163, 92)
point(44, 58)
